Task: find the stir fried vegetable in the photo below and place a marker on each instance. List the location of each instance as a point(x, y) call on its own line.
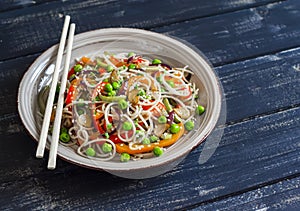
point(125, 106)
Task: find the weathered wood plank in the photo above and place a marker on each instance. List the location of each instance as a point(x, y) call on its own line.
point(251, 153)
point(242, 34)
point(11, 73)
point(284, 195)
point(29, 31)
point(6, 5)
point(261, 85)
point(251, 87)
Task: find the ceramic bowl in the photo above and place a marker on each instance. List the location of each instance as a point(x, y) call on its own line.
point(146, 43)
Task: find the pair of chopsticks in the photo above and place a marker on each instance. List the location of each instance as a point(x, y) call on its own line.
point(59, 110)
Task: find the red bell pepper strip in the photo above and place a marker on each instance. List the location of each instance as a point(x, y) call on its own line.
point(101, 130)
point(114, 138)
point(70, 95)
point(71, 72)
point(159, 105)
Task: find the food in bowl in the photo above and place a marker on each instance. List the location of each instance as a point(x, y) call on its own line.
point(126, 106)
point(142, 42)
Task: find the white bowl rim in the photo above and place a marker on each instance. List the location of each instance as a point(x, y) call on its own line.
point(153, 162)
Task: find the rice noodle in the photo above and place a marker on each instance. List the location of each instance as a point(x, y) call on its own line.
point(127, 139)
point(94, 114)
point(100, 155)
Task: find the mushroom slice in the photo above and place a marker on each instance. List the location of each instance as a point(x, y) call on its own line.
point(85, 120)
point(114, 76)
point(133, 96)
point(159, 129)
point(182, 112)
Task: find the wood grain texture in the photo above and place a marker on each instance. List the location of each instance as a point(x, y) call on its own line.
point(244, 34)
point(29, 31)
point(251, 153)
point(261, 85)
point(208, 6)
point(283, 195)
point(6, 5)
point(255, 48)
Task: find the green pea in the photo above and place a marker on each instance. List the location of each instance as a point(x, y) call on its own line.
point(200, 109)
point(105, 80)
point(156, 61)
point(108, 87)
point(189, 125)
point(123, 104)
point(175, 128)
point(115, 85)
point(127, 126)
point(64, 137)
point(112, 93)
point(125, 157)
point(132, 66)
point(162, 119)
point(106, 147)
point(146, 141)
point(171, 83)
point(141, 92)
point(108, 126)
point(106, 135)
point(153, 138)
point(78, 68)
point(90, 152)
point(157, 151)
point(130, 54)
point(109, 68)
point(63, 130)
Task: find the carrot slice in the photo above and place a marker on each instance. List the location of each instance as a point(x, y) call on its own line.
point(116, 62)
point(142, 148)
point(98, 115)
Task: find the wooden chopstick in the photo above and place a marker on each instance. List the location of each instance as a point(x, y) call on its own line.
point(60, 103)
point(46, 122)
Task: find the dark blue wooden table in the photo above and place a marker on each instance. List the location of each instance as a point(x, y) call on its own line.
point(255, 49)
